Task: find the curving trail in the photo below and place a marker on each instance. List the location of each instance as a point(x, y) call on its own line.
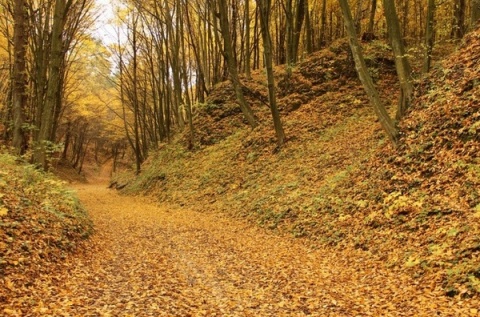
point(150, 260)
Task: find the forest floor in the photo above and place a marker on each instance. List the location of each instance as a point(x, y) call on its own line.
point(151, 260)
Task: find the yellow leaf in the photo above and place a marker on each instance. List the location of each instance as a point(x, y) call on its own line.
point(10, 312)
point(3, 211)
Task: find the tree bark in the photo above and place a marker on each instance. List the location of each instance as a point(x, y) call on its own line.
point(401, 61)
point(264, 6)
point(297, 31)
point(308, 30)
point(323, 24)
point(232, 64)
point(458, 25)
point(19, 97)
point(57, 55)
point(429, 36)
point(382, 114)
point(371, 20)
point(247, 40)
point(475, 13)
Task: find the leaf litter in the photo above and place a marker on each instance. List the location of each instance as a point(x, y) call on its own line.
point(151, 260)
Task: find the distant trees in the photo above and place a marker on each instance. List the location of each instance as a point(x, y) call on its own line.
point(170, 54)
point(47, 36)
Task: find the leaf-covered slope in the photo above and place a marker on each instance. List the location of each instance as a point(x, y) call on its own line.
point(40, 221)
point(428, 190)
point(337, 181)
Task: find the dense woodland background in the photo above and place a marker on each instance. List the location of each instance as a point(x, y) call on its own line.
point(64, 90)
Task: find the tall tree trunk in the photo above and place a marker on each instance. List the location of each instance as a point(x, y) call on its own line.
point(188, 102)
point(362, 70)
point(247, 40)
point(308, 30)
point(264, 6)
point(297, 31)
point(475, 13)
point(458, 25)
point(19, 97)
point(429, 36)
point(201, 88)
point(401, 61)
point(371, 19)
point(406, 9)
point(135, 100)
point(323, 24)
point(232, 64)
point(57, 55)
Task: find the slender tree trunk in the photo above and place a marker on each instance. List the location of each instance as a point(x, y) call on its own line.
point(232, 64)
point(406, 9)
point(289, 30)
point(66, 144)
point(188, 103)
point(429, 36)
point(264, 6)
point(358, 17)
point(297, 31)
point(401, 61)
point(323, 25)
point(135, 100)
point(308, 30)
point(458, 25)
point(19, 97)
point(247, 40)
point(201, 87)
point(371, 20)
point(362, 70)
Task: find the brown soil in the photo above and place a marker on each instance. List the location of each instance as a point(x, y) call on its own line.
point(150, 260)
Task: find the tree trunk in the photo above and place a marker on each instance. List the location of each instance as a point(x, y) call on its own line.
point(247, 40)
point(308, 30)
point(55, 67)
point(188, 102)
point(19, 97)
point(323, 25)
point(382, 114)
point(475, 14)
point(232, 64)
point(429, 36)
point(264, 6)
point(458, 25)
point(401, 61)
point(297, 31)
point(371, 20)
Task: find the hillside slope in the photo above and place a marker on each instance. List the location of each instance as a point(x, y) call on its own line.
point(40, 223)
point(337, 181)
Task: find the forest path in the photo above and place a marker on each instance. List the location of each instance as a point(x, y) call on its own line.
point(150, 260)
